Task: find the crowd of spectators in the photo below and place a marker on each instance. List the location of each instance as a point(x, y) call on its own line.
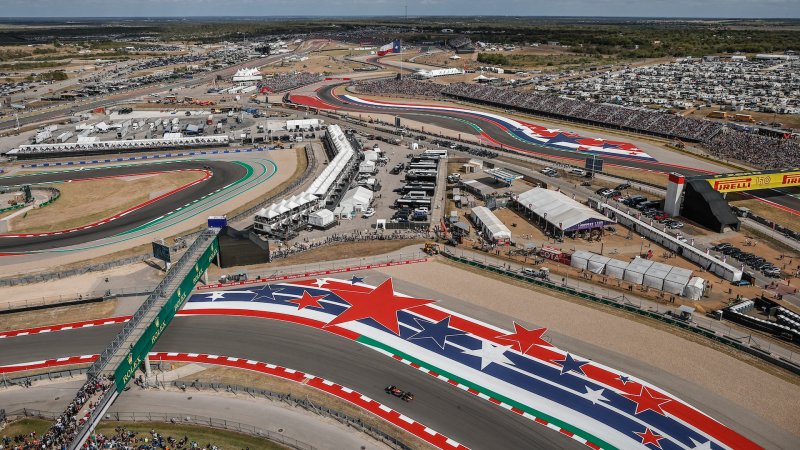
point(404, 86)
point(755, 149)
point(720, 141)
point(286, 81)
point(633, 119)
point(122, 439)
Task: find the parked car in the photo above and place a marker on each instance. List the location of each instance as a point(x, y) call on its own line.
point(741, 283)
point(721, 246)
point(550, 172)
point(661, 215)
point(729, 250)
point(368, 213)
point(773, 272)
point(623, 186)
point(578, 172)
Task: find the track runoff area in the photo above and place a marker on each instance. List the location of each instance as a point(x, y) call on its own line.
point(314, 331)
point(526, 137)
point(221, 181)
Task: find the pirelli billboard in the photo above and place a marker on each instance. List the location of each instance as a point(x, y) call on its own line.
point(751, 181)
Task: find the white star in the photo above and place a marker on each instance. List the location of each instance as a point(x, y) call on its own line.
point(216, 296)
point(490, 353)
point(552, 130)
point(594, 395)
point(698, 446)
point(320, 282)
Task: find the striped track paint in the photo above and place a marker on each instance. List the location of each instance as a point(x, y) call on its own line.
point(342, 392)
point(48, 363)
point(312, 274)
point(65, 326)
point(493, 400)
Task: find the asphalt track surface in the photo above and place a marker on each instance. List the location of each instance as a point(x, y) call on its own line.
point(223, 174)
point(472, 421)
point(460, 123)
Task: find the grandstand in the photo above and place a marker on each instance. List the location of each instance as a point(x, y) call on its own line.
point(101, 147)
point(461, 44)
point(721, 141)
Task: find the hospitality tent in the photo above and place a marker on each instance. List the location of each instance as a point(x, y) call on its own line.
point(492, 228)
point(654, 277)
point(559, 211)
point(597, 263)
point(580, 259)
point(677, 280)
point(616, 268)
point(635, 271)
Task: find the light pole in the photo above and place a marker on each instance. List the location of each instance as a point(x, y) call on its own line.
point(641, 247)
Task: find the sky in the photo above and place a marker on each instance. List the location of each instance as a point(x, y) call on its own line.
point(608, 8)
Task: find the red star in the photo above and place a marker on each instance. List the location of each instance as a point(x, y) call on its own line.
point(524, 338)
point(645, 400)
point(380, 304)
point(648, 437)
point(307, 300)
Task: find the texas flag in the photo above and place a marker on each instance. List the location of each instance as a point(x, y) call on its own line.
point(393, 47)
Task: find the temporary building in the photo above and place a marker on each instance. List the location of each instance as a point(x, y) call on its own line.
point(560, 211)
point(694, 289)
point(635, 271)
point(490, 225)
point(321, 218)
point(370, 155)
point(366, 167)
point(616, 268)
point(677, 280)
point(580, 259)
point(597, 263)
point(357, 199)
point(654, 277)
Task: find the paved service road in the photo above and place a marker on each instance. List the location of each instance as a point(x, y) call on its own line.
point(223, 174)
point(457, 414)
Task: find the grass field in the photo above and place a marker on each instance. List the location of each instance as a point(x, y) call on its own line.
point(85, 202)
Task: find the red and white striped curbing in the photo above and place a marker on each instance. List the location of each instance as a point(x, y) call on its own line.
point(65, 326)
point(342, 392)
point(312, 274)
point(48, 363)
point(356, 398)
point(497, 402)
point(206, 176)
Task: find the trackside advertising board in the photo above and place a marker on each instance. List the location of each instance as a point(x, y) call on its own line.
point(750, 181)
point(139, 351)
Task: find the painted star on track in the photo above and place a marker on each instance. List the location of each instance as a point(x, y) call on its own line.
point(380, 304)
point(438, 331)
point(570, 364)
point(307, 300)
point(490, 353)
point(648, 437)
point(524, 338)
point(647, 400)
point(267, 293)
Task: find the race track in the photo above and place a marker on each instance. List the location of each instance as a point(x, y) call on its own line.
point(223, 174)
point(446, 409)
point(478, 124)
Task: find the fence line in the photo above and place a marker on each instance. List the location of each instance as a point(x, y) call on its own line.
point(179, 419)
point(301, 402)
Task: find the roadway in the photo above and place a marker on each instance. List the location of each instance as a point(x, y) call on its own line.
point(223, 174)
point(463, 123)
point(462, 416)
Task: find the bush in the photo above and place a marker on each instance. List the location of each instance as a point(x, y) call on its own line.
point(493, 58)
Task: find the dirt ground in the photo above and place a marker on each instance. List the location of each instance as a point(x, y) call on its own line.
point(333, 252)
point(768, 211)
point(315, 64)
point(665, 350)
point(58, 315)
point(260, 381)
point(85, 202)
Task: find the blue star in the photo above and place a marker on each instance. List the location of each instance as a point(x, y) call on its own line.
point(624, 379)
point(438, 331)
point(569, 364)
point(356, 279)
point(267, 293)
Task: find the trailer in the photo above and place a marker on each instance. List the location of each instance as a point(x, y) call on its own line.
point(63, 137)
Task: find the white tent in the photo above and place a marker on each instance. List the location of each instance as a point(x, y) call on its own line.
point(654, 277)
point(597, 263)
point(616, 268)
point(676, 281)
point(580, 259)
point(560, 211)
point(357, 199)
point(321, 218)
point(490, 225)
point(635, 271)
point(694, 289)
